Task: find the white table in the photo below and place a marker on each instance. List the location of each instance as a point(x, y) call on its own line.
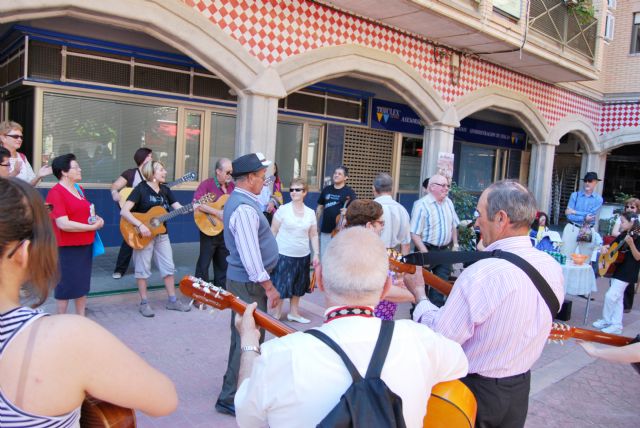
point(579, 280)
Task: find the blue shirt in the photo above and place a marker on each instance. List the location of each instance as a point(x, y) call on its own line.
point(583, 204)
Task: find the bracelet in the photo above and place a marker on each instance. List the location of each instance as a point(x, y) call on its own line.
point(247, 348)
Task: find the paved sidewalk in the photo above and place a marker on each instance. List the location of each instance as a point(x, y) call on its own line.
point(569, 389)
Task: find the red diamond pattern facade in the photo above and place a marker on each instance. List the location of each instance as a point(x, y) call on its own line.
point(273, 31)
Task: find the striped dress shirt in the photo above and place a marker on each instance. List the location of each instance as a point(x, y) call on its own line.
point(495, 311)
point(434, 221)
point(396, 222)
point(243, 224)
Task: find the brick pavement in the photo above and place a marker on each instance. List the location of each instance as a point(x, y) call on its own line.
point(569, 388)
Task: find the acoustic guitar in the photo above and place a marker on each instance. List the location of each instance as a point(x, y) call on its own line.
point(451, 404)
point(210, 224)
point(341, 219)
point(126, 191)
point(100, 414)
point(608, 260)
point(154, 220)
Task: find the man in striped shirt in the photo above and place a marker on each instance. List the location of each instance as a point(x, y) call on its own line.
point(434, 225)
point(253, 253)
point(495, 311)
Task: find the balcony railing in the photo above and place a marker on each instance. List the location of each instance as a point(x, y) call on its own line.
point(558, 20)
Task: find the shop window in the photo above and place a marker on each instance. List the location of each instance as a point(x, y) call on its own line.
point(410, 161)
point(192, 138)
point(104, 134)
point(297, 152)
point(326, 104)
point(635, 34)
point(476, 167)
point(223, 139)
point(301, 101)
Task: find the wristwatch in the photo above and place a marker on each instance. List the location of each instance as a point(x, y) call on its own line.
point(255, 349)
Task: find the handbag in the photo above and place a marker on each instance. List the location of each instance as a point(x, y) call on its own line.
point(585, 234)
point(98, 246)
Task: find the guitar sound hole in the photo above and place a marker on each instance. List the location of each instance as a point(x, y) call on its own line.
point(154, 222)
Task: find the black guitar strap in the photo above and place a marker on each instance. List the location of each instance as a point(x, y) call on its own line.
point(450, 257)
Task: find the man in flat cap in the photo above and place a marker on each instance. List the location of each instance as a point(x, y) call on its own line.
point(581, 211)
point(253, 253)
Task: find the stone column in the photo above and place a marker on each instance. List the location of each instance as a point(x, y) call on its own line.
point(257, 119)
point(436, 138)
point(540, 173)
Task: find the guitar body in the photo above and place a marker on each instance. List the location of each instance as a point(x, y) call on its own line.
point(124, 194)
point(131, 235)
point(209, 224)
point(607, 261)
point(451, 404)
point(100, 414)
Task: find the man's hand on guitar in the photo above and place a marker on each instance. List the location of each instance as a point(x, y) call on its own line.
point(415, 284)
point(246, 326)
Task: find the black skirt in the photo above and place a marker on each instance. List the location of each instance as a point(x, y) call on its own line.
point(291, 276)
point(75, 272)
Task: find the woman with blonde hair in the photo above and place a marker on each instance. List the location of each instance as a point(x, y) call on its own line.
point(11, 138)
point(146, 195)
point(48, 364)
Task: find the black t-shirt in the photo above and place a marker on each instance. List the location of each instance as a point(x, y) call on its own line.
point(130, 175)
point(333, 199)
point(144, 198)
point(627, 271)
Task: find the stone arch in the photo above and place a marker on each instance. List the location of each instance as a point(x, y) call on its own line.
point(580, 126)
point(618, 138)
point(505, 101)
point(171, 22)
point(368, 64)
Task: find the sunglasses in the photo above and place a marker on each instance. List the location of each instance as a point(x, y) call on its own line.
point(15, 249)
point(6, 165)
point(15, 137)
point(297, 189)
point(628, 206)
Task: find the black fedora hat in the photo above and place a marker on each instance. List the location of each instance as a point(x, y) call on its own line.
point(249, 163)
point(590, 176)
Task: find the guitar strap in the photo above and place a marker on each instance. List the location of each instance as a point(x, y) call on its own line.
point(450, 257)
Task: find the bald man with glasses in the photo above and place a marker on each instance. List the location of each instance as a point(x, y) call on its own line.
point(434, 224)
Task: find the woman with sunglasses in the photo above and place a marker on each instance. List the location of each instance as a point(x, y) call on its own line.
point(75, 225)
point(294, 226)
point(48, 364)
point(11, 138)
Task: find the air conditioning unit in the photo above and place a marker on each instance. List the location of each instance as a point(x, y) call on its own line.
point(609, 26)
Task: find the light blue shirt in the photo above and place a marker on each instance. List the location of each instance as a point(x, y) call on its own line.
point(584, 205)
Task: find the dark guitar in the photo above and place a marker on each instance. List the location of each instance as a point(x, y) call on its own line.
point(154, 220)
point(451, 404)
point(608, 260)
point(126, 191)
point(209, 224)
point(341, 219)
point(100, 414)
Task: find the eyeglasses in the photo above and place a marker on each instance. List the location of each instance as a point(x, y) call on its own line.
point(297, 189)
point(628, 206)
point(228, 172)
point(444, 186)
point(6, 165)
point(15, 136)
point(15, 249)
point(380, 222)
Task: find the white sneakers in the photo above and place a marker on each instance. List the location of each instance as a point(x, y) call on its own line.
point(612, 329)
point(116, 275)
point(301, 320)
point(600, 324)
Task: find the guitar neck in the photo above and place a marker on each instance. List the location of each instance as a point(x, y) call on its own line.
point(264, 320)
point(182, 210)
point(430, 279)
point(599, 337)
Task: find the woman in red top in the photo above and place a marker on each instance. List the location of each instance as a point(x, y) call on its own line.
point(75, 232)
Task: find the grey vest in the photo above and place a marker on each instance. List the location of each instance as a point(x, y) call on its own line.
point(268, 245)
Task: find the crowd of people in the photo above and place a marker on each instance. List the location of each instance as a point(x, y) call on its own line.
point(488, 332)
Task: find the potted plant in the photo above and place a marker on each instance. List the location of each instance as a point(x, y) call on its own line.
point(582, 9)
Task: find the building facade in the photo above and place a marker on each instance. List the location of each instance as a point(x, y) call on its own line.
point(394, 86)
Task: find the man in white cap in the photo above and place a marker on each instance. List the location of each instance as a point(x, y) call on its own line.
point(581, 210)
point(253, 253)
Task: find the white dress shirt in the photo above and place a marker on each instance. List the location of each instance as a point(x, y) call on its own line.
point(298, 379)
point(396, 230)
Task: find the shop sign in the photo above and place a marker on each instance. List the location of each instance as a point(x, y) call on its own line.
point(491, 134)
point(395, 117)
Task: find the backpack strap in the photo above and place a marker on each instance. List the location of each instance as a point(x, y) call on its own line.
point(355, 375)
point(381, 350)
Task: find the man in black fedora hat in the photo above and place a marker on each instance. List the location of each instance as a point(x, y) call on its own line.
point(581, 212)
point(253, 253)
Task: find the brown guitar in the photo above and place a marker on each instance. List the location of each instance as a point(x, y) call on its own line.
point(209, 224)
point(608, 260)
point(154, 220)
point(341, 219)
point(451, 404)
point(430, 279)
point(100, 414)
